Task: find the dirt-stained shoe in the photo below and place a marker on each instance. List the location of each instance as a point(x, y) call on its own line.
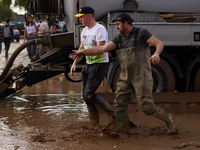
point(172, 129)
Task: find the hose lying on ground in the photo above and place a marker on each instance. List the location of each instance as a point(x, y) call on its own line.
point(14, 55)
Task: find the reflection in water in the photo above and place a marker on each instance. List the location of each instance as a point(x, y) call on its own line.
point(43, 110)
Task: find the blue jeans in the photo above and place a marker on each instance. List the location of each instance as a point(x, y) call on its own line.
point(32, 49)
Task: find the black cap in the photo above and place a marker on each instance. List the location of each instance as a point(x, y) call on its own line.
point(123, 17)
point(85, 10)
point(7, 20)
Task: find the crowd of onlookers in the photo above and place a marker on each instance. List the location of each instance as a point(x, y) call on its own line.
point(32, 30)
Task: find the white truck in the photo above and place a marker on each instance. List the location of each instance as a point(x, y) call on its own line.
point(175, 23)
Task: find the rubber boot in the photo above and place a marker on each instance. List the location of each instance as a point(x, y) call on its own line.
point(122, 120)
point(105, 106)
point(93, 113)
point(162, 115)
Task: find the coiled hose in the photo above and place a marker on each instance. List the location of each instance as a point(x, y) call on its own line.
point(15, 54)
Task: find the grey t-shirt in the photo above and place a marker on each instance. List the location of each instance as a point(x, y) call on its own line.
point(122, 41)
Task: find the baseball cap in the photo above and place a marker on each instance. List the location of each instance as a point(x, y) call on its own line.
point(7, 20)
point(85, 10)
point(123, 17)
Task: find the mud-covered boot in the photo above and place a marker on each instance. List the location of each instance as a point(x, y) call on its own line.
point(94, 114)
point(122, 120)
point(171, 128)
point(105, 106)
point(162, 115)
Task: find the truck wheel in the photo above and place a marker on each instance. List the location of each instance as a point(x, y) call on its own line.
point(197, 82)
point(163, 77)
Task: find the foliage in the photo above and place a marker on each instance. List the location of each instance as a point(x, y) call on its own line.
point(6, 3)
point(21, 3)
point(5, 13)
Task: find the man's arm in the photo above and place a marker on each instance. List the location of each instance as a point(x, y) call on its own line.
point(97, 50)
point(76, 61)
point(159, 48)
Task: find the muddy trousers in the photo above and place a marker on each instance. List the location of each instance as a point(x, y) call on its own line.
point(92, 76)
point(147, 106)
point(136, 77)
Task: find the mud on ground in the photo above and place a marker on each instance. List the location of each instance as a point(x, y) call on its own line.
point(150, 133)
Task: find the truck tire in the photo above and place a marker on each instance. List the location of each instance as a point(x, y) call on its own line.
point(197, 82)
point(163, 77)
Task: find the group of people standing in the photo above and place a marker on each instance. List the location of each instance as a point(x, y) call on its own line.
point(6, 34)
point(32, 28)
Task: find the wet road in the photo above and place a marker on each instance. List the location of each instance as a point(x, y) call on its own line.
point(22, 58)
point(51, 115)
point(52, 103)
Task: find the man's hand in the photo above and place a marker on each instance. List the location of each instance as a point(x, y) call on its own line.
point(155, 59)
point(77, 54)
point(73, 68)
point(72, 56)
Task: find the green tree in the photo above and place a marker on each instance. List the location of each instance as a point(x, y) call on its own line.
point(21, 3)
point(5, 13)
point(6, 3)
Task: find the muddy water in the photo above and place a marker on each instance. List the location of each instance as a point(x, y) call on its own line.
point(52, 115)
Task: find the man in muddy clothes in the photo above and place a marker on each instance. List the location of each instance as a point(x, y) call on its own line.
point(133, 52)
point(94, 34)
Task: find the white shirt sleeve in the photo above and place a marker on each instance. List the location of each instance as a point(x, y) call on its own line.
point(102, 34)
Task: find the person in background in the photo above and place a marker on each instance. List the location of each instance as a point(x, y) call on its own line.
point(31, 28)
point(44, 26)
point(55, 26)
point(1, 38)
point(7, 34)
point(42, 29)
point(94, 34)
point(133, 52)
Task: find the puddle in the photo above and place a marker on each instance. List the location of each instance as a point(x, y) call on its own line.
point(40, 111)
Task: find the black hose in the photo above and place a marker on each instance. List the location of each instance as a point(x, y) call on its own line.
point(13, 56)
